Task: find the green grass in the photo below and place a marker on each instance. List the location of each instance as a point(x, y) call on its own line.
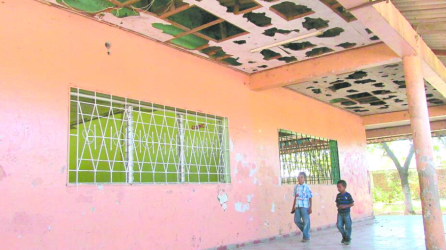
point(398, 207)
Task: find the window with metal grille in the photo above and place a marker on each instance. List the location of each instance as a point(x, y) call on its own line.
point(120, 140)
point(317, 157)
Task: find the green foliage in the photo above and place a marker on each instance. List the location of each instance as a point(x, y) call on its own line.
point(124, 12)
point(414, 183)
point(394, 192)
point(380, 195)
point(90, 6)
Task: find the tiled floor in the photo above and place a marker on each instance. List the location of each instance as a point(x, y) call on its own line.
point(385, 232)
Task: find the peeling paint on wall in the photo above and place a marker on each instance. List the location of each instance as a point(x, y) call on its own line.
point(257, 182)
point(273, 207)
point(243, 207)
point(252, 172)
point(223, 198)
point(240, 158)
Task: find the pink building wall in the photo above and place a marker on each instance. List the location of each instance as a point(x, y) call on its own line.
point(45, 51)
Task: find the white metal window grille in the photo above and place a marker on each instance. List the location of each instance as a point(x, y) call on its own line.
point(317, 157)
point(120, 140)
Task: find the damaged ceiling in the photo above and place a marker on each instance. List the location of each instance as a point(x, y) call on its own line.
point(372, 91)
point(227, 31)
point(428, 18)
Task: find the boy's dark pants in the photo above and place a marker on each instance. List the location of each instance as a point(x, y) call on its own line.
point(344, 225)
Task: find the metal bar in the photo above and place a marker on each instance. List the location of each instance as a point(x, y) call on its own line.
point(182, 145)
point(123, 133)
point(130, 144)
point(143, 106)
point(299, 152)
point(77, 141)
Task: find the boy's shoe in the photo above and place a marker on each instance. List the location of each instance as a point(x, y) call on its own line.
point(305, 240)
point(347, 242)
point(343, 241)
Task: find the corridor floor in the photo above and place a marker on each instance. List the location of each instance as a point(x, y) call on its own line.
point(384, 232)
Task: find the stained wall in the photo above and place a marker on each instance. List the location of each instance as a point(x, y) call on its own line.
point(45, 51)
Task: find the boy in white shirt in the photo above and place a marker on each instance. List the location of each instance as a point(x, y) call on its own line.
point(302, 206)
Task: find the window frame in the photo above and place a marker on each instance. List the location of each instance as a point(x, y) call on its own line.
point(222, 171)
point(333, 168)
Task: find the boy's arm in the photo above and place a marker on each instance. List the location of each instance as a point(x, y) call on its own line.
point(309, 194)
point(310, 208)
point(348, 205)
point(294, 205)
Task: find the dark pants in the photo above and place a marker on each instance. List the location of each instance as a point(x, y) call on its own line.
point(344, 225)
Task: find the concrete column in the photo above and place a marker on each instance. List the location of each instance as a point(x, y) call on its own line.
point(419, 120)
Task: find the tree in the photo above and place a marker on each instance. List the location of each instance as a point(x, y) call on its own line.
point(442, 139)
point(403, 172)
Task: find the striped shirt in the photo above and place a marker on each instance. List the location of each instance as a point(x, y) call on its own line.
point(344, 199)
point(303, 194)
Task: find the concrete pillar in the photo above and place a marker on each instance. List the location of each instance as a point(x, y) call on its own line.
point(419, 120)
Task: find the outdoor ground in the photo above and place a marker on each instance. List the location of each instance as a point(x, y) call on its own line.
point(398, 207)
point(384, 232)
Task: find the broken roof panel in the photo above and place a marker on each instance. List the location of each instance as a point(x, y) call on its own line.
point(201, 24)
point(366, 92)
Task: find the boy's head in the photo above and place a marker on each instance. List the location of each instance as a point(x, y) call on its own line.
point(302, 177)
point(342, 185)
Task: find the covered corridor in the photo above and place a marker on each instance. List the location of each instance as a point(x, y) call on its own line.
point(384, 233)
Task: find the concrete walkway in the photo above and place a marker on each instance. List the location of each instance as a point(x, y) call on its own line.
point(385, 232)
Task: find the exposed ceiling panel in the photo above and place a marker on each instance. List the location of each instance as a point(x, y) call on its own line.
point(428, 17)
point(376, 90)
point(227, 31)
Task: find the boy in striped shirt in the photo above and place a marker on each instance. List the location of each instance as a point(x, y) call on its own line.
point(302, 206)
point(344, 202)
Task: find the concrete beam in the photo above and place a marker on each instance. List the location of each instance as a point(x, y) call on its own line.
point(396, 119)
point(308, 70)
point(401, 130)
point(385, 21)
